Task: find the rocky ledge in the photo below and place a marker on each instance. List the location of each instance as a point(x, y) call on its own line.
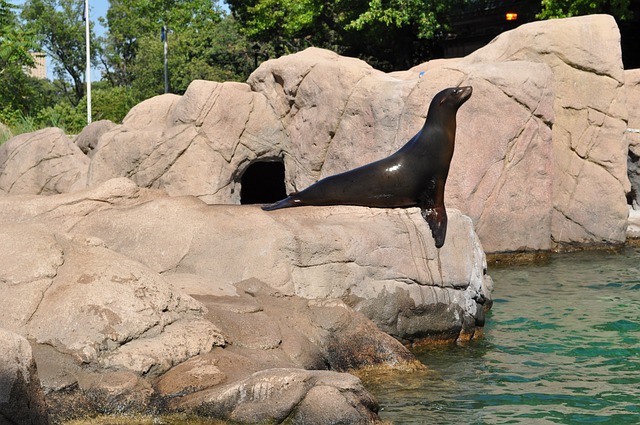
point(135, 301)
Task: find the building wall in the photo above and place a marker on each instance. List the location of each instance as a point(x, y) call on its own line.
point(40, 70)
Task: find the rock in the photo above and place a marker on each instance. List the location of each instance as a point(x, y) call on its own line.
point(318, 114)
point(290, 395)
point(589, 147)
point(633, 228)
point(67, 209)
point(317, 94)
point(208, 137)
point(89, 137)
point(379, 113)
point(502, 182)
point(45, 162)
point(114, 391)
point(95, 304)
point(21, 397)
point(366, 256)
point(632, 88)
point(292, 332)
point(99, 284)
point(75, 390)
point(310, 334)
point(153, 112)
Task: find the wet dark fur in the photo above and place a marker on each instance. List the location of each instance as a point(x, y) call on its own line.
point(413, 176)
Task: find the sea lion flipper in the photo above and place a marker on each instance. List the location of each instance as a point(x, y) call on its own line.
point(283, 203)
point(437, 220)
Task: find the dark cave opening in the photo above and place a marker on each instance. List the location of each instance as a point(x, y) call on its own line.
point(263, 183)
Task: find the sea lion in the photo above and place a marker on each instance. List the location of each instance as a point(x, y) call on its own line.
point(413, 176)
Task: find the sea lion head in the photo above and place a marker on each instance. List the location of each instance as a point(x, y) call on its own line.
point(453, 97)
point(444, 106)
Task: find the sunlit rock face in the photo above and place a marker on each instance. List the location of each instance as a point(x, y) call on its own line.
point(540, 154)
point(632, 88)
point(590, 112)
point(129, 295)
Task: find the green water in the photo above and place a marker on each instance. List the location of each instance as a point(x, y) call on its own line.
point(561, 346)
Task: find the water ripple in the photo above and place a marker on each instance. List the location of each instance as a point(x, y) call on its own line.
point(561, 346)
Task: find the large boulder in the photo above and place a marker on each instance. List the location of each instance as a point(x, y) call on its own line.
point(632, 88)
point(589, 146)
point(45, 162)
point(268, 333)
point(21, 397)
point(290, 396)
point(524, 185)
point(89, 137)
point(85, 300)
point(368, 257)
point(320, 114)
point(129, 296)
point(197, 144)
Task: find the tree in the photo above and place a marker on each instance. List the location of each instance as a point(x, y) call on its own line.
point(16, 87)
point(620, 9)
point(218, 53)
point(60, 29)
point(15, 44)
point(204, 43)
point(391, 34)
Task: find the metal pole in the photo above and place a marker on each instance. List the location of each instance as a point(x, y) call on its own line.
point(165, 31)
point(88, 52)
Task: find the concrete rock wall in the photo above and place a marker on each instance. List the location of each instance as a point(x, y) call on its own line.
point(590, 114)
point(632, 89)
point(125, 293)
point(541, 149)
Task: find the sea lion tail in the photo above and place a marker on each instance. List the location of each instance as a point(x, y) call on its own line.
point(284, 203)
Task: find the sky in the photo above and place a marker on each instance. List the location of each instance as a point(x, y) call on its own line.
point(97, 8)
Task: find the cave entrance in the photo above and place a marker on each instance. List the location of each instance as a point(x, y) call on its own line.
point(263, 183)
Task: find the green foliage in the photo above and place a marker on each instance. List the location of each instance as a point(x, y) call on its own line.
point(290, 17)
point(204, 43)
point(425, 17)
point(390, 34)
point(60, 29)
point(15, 43)
point(197, 29)
point(567, 8)
point(16, 88)
point(16, 123)
point(218, 53)
point(109, 103)
point(62, 115)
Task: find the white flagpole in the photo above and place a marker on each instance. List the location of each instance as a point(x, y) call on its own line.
point(88, 73)
point(165, 36)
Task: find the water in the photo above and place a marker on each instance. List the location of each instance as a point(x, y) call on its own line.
point(561, 346)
